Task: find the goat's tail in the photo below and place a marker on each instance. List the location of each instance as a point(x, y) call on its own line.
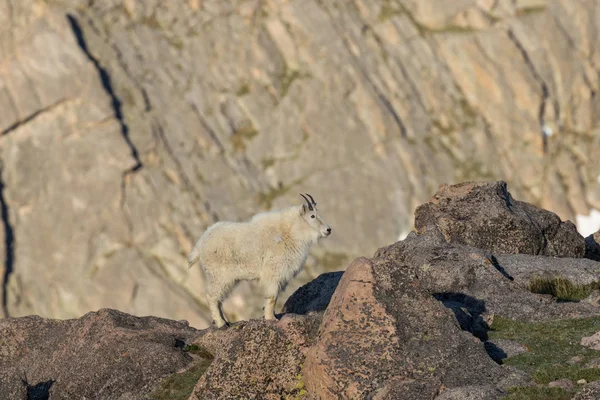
point(193, 257)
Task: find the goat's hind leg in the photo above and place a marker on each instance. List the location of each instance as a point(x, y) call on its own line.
point(215, 297)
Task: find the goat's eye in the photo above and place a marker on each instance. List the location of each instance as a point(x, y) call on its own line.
point(312, 216)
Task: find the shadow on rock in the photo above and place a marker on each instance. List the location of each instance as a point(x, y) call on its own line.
point(314, 296)
point(468, 311)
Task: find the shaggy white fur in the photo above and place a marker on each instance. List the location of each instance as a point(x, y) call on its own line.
point(271, 248)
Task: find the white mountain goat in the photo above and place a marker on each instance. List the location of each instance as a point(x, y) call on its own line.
point(271, 247)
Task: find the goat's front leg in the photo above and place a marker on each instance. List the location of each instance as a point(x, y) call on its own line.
point(271, 298)
point(270, 307)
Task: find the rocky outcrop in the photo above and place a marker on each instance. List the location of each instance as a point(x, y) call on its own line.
point(484, 215)
point(102, 355)
point(413, 322)
point(128, 127)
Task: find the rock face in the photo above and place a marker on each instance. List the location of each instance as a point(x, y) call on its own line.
point(128, 127)
point(102, 355)
point(484, 215)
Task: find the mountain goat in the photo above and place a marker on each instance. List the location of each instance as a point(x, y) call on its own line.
point(271, 248)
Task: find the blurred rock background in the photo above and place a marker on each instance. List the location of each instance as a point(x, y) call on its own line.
point(127, 127)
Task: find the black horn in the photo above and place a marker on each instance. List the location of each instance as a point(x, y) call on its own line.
point(314, 203)
point(310, 207)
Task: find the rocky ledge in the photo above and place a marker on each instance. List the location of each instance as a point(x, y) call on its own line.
point(490, 298)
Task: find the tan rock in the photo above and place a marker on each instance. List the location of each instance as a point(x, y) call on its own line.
point(356, 333)
point(593, 342)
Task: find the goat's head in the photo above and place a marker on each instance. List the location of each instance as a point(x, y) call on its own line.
point(314, 220)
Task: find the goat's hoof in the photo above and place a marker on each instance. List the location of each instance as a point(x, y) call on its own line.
point(223, 325)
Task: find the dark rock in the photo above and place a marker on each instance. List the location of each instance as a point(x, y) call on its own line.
point(104, 354)
point(484, 215)
point(314, 296)
point(592, 246)
point(473, 283)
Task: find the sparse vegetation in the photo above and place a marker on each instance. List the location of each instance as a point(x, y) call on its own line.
point(538, 393)
point(179, 386)
point(551, 345)
point(561, 288)
point(243, 134)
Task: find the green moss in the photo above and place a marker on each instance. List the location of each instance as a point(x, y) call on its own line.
point(287, 78)
point(299, 391)
point(387, 11)
point(243, 90)
point(562, 288)
point(180, 386)
point(243, 134)
point(266, 199)
point(270, 161)
point(538, 393)
point(530, 10)
point(151, 21)
point(197, 350)
point(551, 345)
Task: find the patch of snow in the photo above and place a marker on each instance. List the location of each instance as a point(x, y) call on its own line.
point(403, 235)
point(547, 131)
point(588, 224)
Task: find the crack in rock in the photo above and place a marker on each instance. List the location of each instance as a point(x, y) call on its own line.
point(31, 117)
point(9, 244)
point(541, 82)
point(108, 87)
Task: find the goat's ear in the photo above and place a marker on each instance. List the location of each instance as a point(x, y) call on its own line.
point(303, 209)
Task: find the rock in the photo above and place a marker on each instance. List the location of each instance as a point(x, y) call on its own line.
point(104, 354)
point(484, 215)
point(581, 382)
point(314, 296)
point(472, 393)
point(127, 149)
point(499, 349)
point(592, 246)
point(575, 360)
point(593, 342)
point(257, 357)
point(594, 363)
point(383, 336)
point(473, 284)
point(523, 268)
point(590, 391)
point(514, 378)
point(565, 384)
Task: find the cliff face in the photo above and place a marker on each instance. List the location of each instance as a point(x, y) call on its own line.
point(128, 127)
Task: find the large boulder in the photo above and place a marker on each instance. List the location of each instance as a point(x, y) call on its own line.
point(484, 215)
point(102, 355)
point(383, 337)
point(257, 359)
point(476, 286)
